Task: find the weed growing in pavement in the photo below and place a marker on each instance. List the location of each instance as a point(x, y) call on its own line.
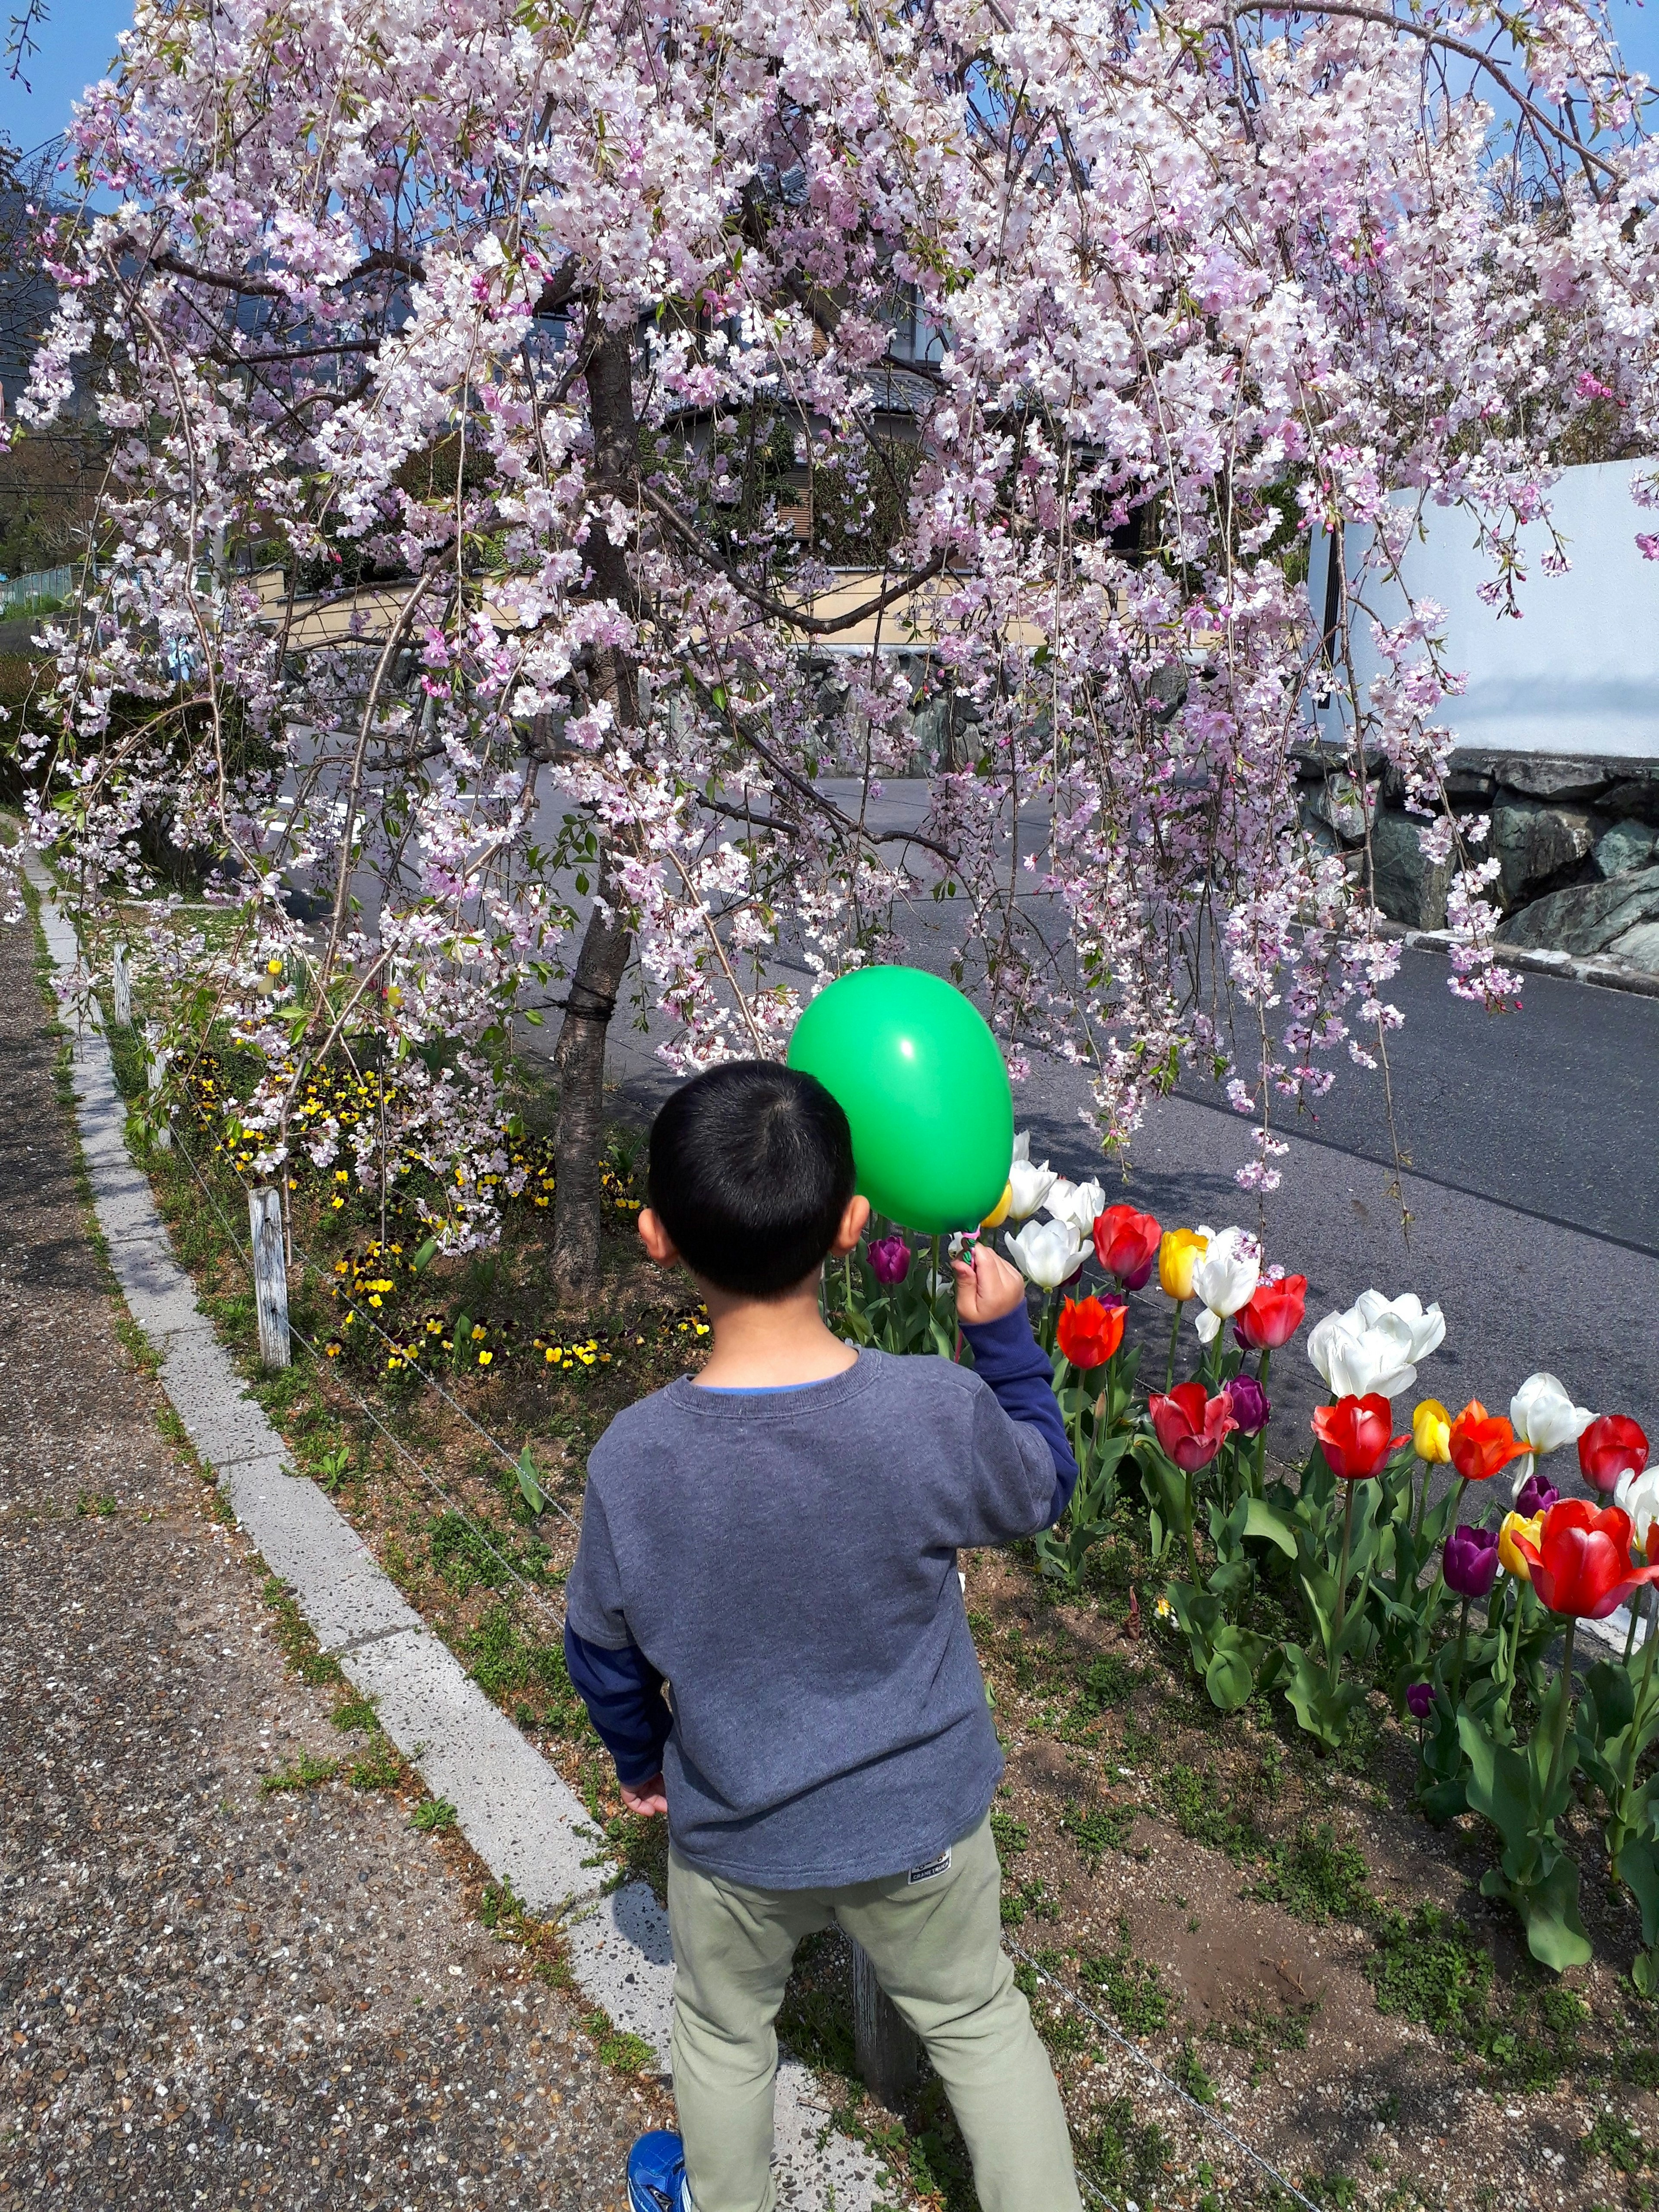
point(98, 1504)
point(1185, 2068)
point(353, 1712)
point(1614, 2138)
point(380, 1767)
point(622, 2053)
point(297, 1639)
point(1133, 1987)
point(435, 1816)
point(303, 1773)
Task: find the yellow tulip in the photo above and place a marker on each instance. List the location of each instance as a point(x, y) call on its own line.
point(1509, 1554)
point(999, 1212)
point(1178, 1256)
point(1431, 1432)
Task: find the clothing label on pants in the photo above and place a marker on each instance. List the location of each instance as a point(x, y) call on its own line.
point(933, 1866)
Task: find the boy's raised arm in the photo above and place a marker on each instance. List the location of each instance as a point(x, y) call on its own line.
point(991, 1305)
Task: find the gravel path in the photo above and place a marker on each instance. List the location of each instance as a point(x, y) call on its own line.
point(212, 1996)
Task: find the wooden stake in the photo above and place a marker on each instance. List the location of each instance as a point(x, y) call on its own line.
point(121, 988)
point(264, 1214)
point(159, 1057)
point(888, 2053)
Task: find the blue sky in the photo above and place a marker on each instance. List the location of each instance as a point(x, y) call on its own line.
point(79, 39)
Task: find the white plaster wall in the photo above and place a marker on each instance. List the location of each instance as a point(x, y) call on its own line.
point(1579, 671)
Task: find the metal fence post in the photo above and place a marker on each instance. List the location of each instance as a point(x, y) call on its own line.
point(888, 2053)
point(121, 988)
point(159, 1057)
point(264, 1214)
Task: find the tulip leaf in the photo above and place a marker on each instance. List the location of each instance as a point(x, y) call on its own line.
point(1548, 1906)
point(1267, 1522)
point(1230, 1676)
point(1321, 1709)
point(1638, 1869)
point(1611, 1701)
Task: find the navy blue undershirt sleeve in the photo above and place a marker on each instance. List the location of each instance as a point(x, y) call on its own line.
point(622, 1691)
point(1007, 1357)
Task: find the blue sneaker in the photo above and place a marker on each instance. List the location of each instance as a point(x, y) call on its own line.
point(656, 2174)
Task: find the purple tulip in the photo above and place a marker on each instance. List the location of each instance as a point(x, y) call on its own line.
point(1420, 1700)
point(1535, 1495)
point(1249, 1403)
point(890, 1259)
point(1471, 1560)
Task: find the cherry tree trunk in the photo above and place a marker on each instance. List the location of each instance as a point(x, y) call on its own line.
point(579, 1056)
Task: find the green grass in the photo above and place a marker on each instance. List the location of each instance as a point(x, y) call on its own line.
point(435, 1817)
point(1124, 2155)
point(1315, 1878)
point(295, 1639)
point(304, 1773)
point(1202, 1811)
point(1104, 1828)
point(380, 1767)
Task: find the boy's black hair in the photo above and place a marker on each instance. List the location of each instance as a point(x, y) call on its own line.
point(751, 1168)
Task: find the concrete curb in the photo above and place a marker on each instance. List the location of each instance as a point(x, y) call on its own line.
point(526, 1823)
point(1606, 974)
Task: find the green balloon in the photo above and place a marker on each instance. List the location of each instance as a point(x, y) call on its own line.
point(920, 1079)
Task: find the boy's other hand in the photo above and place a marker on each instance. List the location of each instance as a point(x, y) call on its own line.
point(645, 1799)
point(986, 1285)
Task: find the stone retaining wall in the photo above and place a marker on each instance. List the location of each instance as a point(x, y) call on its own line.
point(1576, 838)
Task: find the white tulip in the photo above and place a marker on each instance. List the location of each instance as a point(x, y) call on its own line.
point(1028, 1185)
point(1354, 1359)
point(1427, 1326)
point(1638, 1496)
point(1047, 1253)
point(1224, 1277)
point(1542, 1414)
point(1077, 1204)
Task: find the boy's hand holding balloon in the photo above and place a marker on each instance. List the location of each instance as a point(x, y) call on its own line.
point(987, 1286)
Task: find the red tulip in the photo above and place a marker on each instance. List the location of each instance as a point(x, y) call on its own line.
point(1581, 1563)
point(1089, 1330)
point(1190, 1426)
point(1480, 1444)
point(1126, 1244)
point(1610, 1447)
point(1356, 1436)
point(1274, 1315)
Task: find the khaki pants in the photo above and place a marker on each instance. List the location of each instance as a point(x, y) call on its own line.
point(937, 1949)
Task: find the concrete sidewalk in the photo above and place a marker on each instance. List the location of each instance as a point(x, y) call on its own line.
point(214, 1995)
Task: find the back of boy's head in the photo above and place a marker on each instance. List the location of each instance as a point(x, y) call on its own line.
point(751, 1169)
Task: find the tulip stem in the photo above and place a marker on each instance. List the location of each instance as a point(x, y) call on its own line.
point(1561, 1718)
point(1514, 1660)
point(1192, 1541)
point(1175, 1333)
point(1462, 1640)
point(1422, 1504)
point(1630, 1634)
point(1342, 1587)
point(1628, 1780)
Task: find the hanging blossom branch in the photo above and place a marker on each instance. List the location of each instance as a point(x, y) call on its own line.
point(450, 581)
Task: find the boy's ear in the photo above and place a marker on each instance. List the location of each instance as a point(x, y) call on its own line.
point(659, 1244)
point(855, 1220)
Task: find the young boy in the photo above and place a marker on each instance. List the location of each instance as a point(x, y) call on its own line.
point(777, 1540)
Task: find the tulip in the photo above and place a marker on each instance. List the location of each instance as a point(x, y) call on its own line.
point(1090, 1331)
point(1127, 1244)
point(1354, 1435)
point(1190, 1426)
point(890, 1259)
point(1482, 1443)
point(1076, 1204)
point(1431, 1433)
point(1545, 1417)
point(1001, 1210)
point(1420, 1700)
point(1581, 1563)
point(1224, 1277)
point(1535, 1496)
point(1357, 1358)
point(1249, 1401)
point(1047, 1253)
point(1514, 1526)
point(1638, 1496)
point(1028, 1186)
point(1471, 1561)
point(1272, 1315)
point(1612, 1446)
point(1178, 1254)
point(1425, 1326)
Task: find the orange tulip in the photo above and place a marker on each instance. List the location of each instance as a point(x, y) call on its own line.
point(1090, 1331)
point(1482, 1443)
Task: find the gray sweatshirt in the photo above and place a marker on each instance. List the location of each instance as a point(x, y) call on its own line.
point(787, 1559)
